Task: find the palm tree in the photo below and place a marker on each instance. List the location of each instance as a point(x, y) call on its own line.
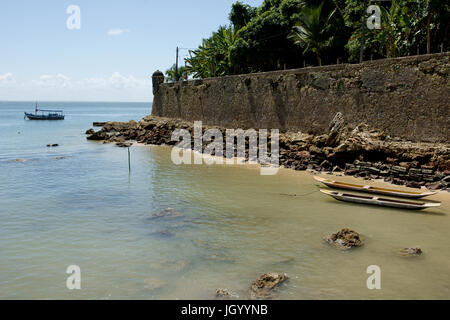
point(311, 32)
point(174, 75)
point(213, 56)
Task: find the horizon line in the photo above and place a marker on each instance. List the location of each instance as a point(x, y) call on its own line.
point(83, 101)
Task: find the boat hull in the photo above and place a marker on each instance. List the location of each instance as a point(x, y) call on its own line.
point(401, 204)
point(374, 190)
point(31, 116)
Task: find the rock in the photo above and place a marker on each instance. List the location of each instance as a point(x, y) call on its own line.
point(263, 287)
point(153, 283)
point(124, 144)
point(413, 184)
point(345, 239)
point(167, 213)
point(398, 181)
point(53, 145)
point(98, 124)
point(336, 128)
point(435, 186)
point(303, 154)
point(171, 265)
point(163, 233)
point(221, 257)
point(176, 265)
point(351, 172)
point(337, 169)
point(20, 160)
point(325, 164)
point(446, 179)
point(99, 135)
point(225, 294)
point(410, 252)
point(90, 131)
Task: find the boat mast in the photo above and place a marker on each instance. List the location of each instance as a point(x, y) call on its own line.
point(36, 110)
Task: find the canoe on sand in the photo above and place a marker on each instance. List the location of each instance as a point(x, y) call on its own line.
point(376, 190)
point(374, 200)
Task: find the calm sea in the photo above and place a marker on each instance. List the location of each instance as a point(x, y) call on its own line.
point(77, 204)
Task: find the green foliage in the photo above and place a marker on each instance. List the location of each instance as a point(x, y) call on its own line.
point(213, 58)
point(241, 14)
point(290, 33)
point(172, 75)
point(312, 32)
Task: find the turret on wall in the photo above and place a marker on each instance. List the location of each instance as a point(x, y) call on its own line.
point(157, 80)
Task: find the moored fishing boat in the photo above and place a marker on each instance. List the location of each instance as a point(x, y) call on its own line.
point(373, 200)
point(45, 114)
point(376, 190)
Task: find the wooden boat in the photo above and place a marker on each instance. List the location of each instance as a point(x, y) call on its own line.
point(45, 114)
point(376, 190)
point(349, 197)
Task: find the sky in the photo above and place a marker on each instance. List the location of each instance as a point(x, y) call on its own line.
point(110, 55)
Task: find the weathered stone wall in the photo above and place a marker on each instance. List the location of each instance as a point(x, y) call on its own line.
point(406, 97)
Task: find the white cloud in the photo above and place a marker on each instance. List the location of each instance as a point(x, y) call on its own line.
point(115, 81)
point(113, 87)
point(117, 32)
point(49, 81)
point(119, 81)
point(6, 79)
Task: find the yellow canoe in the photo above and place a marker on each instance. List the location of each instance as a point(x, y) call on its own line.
point(371, 189)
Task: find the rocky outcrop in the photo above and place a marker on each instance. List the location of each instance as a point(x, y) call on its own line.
point(345, 239)
point(361, 151)
point(263, 287)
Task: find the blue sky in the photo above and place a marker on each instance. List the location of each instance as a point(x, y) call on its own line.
point(110, 58)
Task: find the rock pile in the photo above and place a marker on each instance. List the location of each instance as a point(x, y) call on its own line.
point(361, 152)
point(345, 239)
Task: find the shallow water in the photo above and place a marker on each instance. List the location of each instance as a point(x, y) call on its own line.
point(85, 209)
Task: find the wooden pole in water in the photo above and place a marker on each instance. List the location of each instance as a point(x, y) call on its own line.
point(129, 164)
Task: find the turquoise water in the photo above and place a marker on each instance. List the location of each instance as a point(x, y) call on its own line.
point(77, 204)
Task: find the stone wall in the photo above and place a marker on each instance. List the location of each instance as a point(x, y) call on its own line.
point(406, 97)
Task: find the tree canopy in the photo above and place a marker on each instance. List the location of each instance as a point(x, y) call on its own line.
point(293, 33)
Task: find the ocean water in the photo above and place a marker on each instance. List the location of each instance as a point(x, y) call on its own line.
point(77, 204)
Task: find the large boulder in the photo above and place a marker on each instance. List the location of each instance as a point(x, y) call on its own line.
point(336, 129)
point(263, 287)
point(345, 239)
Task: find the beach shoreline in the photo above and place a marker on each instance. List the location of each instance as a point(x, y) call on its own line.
point(362, 152)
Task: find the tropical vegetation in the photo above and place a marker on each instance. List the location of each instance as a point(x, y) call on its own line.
point(282, 34)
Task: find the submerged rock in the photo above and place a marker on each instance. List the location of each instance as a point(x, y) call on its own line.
point(124, 144)
point(20, 160)
point(163, 233)
point(153, 283)
point(221, 257)
point(410, 252)
point(345, 239)
point(171, 265)
point(225, 294)
point(263, 287)
point(167, 213)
